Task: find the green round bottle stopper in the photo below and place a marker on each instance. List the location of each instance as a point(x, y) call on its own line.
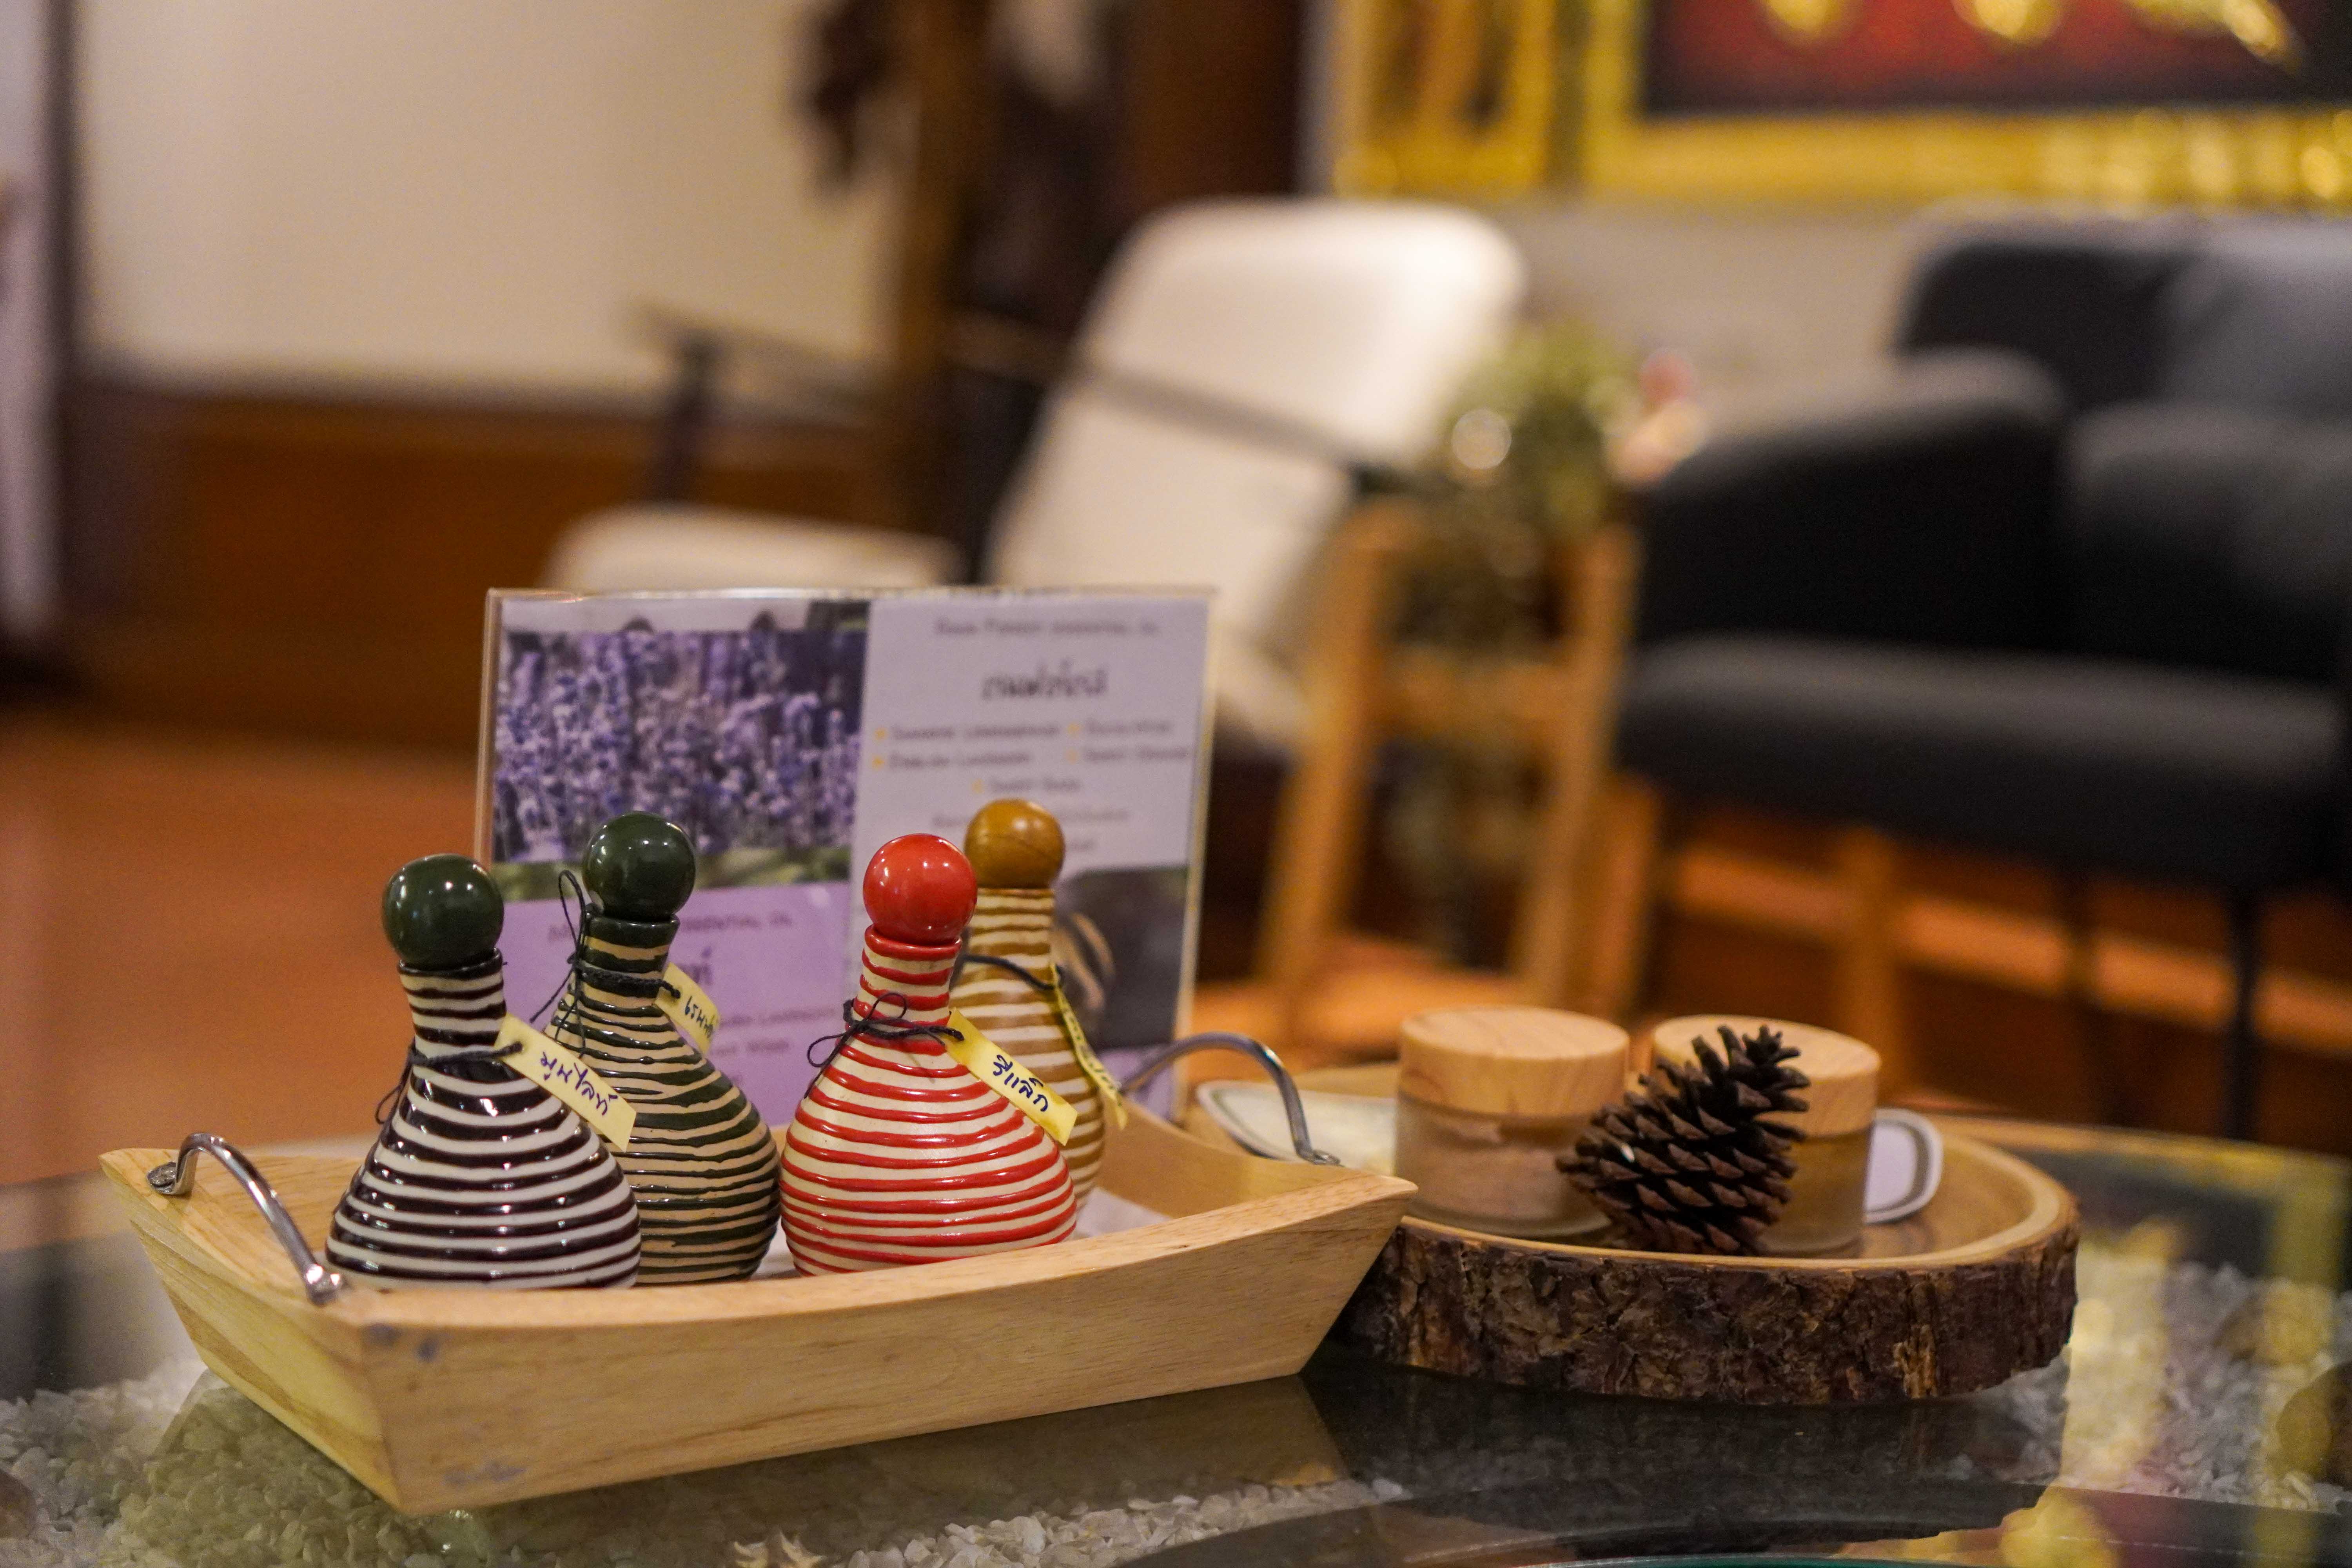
point(638, 868)
point(441, 911)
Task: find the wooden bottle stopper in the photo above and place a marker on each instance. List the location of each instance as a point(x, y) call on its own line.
point(1534, 1062)
point(638, 866)
point(920, 888)
point(1843, 1094)
point(1013, 843)
point(442, 912)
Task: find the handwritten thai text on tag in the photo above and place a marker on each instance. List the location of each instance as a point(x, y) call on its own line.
point(1114, 1104)
point(1031, 1095)
point(570, 1079)
point(689, 1007)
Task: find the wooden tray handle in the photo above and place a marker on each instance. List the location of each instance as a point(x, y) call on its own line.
point(1160, 1061)
point(177, 1178)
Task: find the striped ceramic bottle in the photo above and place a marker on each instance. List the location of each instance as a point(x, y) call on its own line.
point(1016, 851)
point(479, 1175)
point(898, 1154)
point(701, 1161)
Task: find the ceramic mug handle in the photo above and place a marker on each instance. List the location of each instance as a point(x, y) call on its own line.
point(1906, 1166)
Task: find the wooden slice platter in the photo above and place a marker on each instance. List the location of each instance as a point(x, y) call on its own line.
point(1973, 1289)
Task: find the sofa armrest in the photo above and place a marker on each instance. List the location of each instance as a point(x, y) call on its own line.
point(1919, 510)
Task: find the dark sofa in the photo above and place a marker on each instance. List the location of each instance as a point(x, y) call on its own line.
point(2073, 587)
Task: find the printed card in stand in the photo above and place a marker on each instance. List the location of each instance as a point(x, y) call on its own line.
point(790, 735)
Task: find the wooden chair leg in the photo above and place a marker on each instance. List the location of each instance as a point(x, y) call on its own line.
point(1868, 981)
point(1311, 875)
point(1623, 899)
point(2242, 1048)
point(2095, 1032)
point(1552, 935)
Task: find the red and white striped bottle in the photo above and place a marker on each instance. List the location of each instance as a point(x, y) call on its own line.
point(898, 1154)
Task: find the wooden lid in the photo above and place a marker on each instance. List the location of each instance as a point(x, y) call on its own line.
point(1013, 843)
point(1844, 1092)
point(1511, 1061)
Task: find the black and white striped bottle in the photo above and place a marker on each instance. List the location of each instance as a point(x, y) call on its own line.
point(480, 1176)
point(702, 1162)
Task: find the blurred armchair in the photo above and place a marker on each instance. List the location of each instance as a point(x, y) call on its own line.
point(1242, 364)
point(2073, 585)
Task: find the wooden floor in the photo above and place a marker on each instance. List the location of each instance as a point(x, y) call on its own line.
point(192, 936)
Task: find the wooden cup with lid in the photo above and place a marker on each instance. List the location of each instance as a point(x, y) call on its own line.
point(1487, 1101)
point(1826, 1193)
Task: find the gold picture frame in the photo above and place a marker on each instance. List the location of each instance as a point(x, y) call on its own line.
point(1446, 97)
point(2299, 157)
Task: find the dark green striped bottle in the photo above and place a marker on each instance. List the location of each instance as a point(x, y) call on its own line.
point(701, 1161)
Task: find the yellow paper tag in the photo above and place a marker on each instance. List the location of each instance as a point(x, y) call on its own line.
point(1031, 1095)
point(570, 1079)
point(1114, 1104)
point(689, 1007)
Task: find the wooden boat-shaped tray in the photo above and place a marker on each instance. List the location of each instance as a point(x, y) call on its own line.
point(1974, 1287)
point(448, 1398)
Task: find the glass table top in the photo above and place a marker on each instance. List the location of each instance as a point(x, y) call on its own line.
point(2211, 1280)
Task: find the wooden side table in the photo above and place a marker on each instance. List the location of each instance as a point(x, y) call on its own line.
point(1326, 994)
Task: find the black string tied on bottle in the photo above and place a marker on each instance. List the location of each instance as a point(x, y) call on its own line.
point(1037, 982)
point(568, 891)
point(868, 1023)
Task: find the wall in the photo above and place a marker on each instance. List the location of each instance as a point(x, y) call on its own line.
point(1764, 302)
point(452, 193)
point(354, 325)
point(356, 276)
point(27, 360)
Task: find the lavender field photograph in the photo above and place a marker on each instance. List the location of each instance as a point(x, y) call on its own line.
point(747, 739)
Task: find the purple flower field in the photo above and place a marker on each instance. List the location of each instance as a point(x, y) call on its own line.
point(748, 740)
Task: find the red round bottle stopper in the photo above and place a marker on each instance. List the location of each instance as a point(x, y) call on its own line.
point(920, 888)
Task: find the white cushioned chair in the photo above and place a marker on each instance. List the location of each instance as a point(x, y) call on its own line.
point(1243, 362)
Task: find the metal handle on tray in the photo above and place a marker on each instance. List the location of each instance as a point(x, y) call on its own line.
point(177, 1178)
point(1165, 1056)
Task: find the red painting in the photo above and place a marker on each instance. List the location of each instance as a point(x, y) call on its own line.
point(1714, 57)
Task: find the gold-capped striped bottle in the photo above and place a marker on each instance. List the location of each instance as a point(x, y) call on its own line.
point(1008, 985)
point(701, 1161)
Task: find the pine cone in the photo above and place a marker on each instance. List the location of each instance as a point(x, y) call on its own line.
point(1687, 1162)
